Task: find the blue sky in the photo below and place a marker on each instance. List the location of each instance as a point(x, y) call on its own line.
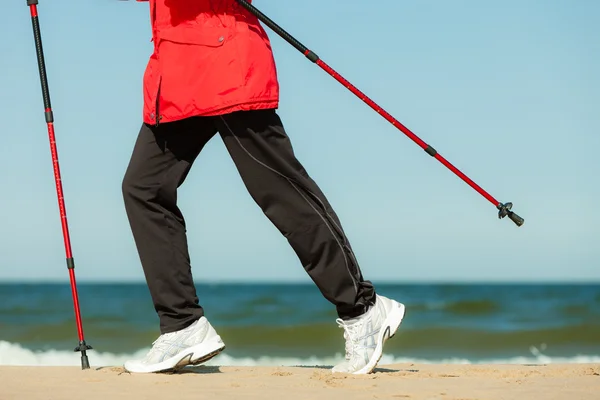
point(509, 92)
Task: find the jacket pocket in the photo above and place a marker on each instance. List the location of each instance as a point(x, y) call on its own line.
point(211, 37)
point(199, 67)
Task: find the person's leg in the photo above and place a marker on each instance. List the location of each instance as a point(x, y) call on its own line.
point(161, 160)
point(276, 180)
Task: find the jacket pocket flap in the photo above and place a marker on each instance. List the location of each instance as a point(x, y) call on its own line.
point(213, 37)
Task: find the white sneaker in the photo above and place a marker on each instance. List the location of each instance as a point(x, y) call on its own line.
point(366, 334)
point(193, 345)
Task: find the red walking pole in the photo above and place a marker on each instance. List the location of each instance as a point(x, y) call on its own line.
point(82, 347)
point(504, 209)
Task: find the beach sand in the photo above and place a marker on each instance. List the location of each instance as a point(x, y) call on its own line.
point(394, 382)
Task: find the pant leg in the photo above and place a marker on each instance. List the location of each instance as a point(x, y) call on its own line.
point(161, 159)
point(276, 180)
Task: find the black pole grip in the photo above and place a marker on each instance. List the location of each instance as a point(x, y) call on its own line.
point(41, 62)
point(279, 30)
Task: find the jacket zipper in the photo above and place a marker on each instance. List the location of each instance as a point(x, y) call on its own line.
point(157, 116)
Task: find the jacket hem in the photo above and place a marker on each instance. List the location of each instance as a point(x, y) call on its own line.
point(221, 110)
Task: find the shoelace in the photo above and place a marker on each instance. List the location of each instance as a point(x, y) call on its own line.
point(161, 344)
point(351, 332)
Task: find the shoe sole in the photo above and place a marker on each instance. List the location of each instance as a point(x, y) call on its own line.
point(187, 361)
point(388, 330)
point(194, 355)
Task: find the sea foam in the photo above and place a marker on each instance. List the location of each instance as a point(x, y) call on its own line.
point(16, 355)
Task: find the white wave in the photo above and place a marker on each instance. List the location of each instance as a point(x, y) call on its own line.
point(16, 355)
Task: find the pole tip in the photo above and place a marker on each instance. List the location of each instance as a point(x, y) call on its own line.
point(83, 347)
point(505, 211)
point(85, 363)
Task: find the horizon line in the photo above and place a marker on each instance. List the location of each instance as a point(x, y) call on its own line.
point(386, 282)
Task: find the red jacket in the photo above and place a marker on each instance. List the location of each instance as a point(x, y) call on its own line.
point(210, 57)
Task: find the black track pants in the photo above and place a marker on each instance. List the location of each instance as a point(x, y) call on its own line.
point(263, 155)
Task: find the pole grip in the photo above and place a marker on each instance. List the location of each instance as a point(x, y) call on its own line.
point(39, 50)
point(271, 24)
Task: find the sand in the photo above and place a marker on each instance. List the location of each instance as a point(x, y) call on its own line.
point(393, 382)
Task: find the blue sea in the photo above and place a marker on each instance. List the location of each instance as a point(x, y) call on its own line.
point(291, 324)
